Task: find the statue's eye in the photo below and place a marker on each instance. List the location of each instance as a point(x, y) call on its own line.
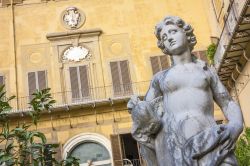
point(164, 37)
point(173, 31)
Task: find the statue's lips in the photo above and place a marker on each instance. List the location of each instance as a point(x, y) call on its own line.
point(172, 43)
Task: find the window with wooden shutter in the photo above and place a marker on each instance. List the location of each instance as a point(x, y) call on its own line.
point(36, 81)
point(79, 81)
point(159, 63)
point(121, 79)
point(116, 150)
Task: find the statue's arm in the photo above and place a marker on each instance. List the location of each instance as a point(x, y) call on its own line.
point(154, 90)
point(229, 107)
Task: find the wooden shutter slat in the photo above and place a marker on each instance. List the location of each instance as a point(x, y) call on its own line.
point(1, 80)
point(155, 64)
point(116, 150)
point(115, 77)
point(41, 80)
point(164, 62)
point(74, 82)
point(84, 81)
point(125, 75)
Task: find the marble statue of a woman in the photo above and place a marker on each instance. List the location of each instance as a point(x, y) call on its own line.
point(174, 124)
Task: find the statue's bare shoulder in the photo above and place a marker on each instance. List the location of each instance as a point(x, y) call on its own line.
point(155, 89)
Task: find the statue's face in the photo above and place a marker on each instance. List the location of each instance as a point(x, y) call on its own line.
point(174, 39)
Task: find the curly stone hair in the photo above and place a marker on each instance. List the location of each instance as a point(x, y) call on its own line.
point(174, 20)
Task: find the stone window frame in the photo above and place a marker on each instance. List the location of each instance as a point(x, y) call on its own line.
point(87, 137)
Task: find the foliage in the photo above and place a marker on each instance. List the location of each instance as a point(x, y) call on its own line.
point(210, 53)
point(20, 146)
point(243, 148)
point(42, 101)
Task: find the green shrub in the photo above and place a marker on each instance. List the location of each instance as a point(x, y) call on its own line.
point(210, 53)
point(243, 148)
point(22, 147)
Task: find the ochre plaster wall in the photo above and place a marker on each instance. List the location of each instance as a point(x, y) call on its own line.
point(127, 33)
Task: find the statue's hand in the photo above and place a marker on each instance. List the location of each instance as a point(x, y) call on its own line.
point(229, 135)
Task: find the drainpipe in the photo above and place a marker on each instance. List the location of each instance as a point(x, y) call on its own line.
point(14, 48)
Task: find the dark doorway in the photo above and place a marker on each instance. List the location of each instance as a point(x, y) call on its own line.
point(130, 149)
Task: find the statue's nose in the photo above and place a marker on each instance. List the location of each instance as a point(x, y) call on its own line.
point(170, 39)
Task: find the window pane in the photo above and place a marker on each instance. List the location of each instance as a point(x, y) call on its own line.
point(90, 151)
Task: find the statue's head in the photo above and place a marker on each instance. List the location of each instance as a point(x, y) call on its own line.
point(174, 35)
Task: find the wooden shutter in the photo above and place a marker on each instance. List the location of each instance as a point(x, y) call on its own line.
point(164, 62)
point(74, 82)
point(5, 2)
point(116, 150)
point(58, 156)
point(32, 82)
point(125, 75)
point(116, 80)
point(155, 64)
point(201, 55)
point(41, 80)
point(83, 72)
point(1, 80)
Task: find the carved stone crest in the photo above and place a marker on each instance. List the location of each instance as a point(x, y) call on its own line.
point(76, 53)
point(72, 18)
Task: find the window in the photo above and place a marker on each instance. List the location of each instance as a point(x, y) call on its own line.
point(91, 152)
point(121, 78)
point(79, 81)
point(90, 148)
point(36, 81)
point(159, 63)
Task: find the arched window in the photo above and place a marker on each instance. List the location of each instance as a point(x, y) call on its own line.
point(89, 148)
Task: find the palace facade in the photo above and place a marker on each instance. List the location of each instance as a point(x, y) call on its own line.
point(95, 54)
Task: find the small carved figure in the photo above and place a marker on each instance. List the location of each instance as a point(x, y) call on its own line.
point(146, 122)
point(72, 17)
point(189, 135)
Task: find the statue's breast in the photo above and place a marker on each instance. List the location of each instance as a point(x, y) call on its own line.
point(182, 77)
